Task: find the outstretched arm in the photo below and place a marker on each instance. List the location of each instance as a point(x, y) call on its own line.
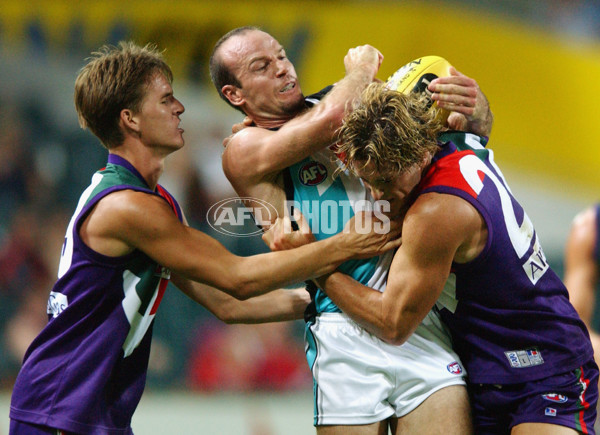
point(127, 220)
point(278, 305)
point(469, 107)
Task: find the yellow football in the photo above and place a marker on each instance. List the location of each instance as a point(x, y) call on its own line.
point(416, 75)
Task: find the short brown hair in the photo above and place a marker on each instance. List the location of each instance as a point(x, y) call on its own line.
point(392, 130)
point(115, 78)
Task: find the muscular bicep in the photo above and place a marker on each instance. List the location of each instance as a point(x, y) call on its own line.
point(145, 222)
point(437, 230)
point(255, 153)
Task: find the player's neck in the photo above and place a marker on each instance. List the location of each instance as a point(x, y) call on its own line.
point(147, 163)
point(270, 123)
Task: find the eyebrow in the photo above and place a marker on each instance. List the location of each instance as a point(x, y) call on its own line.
point(264, 57)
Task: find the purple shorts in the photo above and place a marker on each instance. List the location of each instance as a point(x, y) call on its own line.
point(21, 428)
point(567, 399)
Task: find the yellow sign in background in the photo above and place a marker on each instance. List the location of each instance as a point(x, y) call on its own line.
point(542, 89)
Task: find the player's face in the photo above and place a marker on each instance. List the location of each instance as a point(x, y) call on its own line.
point(159, 116)
point(396, 189)
point(269, 86)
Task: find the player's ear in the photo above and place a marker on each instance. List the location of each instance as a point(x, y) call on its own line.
point(129, 120)
point(233, 94)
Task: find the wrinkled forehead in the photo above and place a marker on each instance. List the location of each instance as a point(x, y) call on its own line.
point(241, 50)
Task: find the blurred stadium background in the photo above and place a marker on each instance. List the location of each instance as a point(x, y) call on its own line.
point(538, 61)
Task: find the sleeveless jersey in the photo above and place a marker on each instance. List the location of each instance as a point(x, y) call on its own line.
point(86, 370)
point(508, 312)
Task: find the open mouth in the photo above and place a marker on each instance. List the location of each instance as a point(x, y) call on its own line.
point(288, 87)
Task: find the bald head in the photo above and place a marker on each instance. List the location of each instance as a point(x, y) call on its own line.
point(220, 73)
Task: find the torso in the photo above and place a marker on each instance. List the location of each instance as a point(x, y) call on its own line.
point(508, 311)
point(100, 311)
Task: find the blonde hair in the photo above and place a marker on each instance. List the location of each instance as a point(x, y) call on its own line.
point(115, 78)
point(392, 130)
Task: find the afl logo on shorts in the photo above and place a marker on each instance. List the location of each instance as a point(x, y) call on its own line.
point(312, 173)
point(556, 398)
point(454, 368)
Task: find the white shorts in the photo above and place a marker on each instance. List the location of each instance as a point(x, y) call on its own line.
point(360, 379)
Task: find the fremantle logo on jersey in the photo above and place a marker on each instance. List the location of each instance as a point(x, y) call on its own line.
point(312, 173)
point(57, 303)
point(524, 358)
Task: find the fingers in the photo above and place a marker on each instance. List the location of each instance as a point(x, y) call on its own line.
point(274, 238)
point(392, 244)
point(455, 93)
point(456, 88)
point(457, 121)
point(286, 225)
point(363, 57)
point(268, 236)
point(237, 127)
point(227, 140)
point(303, 226)
point(246, 122)
point(461, 95)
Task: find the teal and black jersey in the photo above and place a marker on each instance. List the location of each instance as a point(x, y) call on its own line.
point(328, 197)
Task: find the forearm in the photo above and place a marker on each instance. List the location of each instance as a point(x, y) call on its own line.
point(259, 274)
point(278, 305)
point(346, 90)
point(367, 307)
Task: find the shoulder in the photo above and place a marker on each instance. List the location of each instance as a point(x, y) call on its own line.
point(245, 151)
point(441, 221)
point(246, 138)
point(119, 220)
point(130, 207)
point(441, 210)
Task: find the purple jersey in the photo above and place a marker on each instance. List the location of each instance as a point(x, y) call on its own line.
point(509, 313)
point(85, 372)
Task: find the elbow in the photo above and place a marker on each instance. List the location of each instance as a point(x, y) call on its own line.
point(242, 288)
point(228, 314)
point(395, 337)
point(228, 318)
point(396, 330)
